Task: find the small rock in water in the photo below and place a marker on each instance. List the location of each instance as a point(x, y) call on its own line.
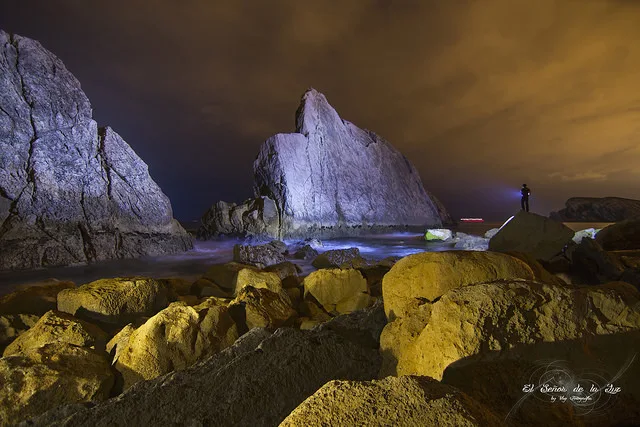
point(438, 234)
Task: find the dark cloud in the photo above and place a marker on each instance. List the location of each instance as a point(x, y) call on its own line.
point(481, 95)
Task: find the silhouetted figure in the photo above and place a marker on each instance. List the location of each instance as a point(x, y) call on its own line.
point(524, 202)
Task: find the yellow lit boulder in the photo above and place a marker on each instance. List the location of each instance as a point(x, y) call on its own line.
point(339, 291)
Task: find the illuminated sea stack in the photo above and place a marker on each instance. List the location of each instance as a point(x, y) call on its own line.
point(330, 178)
point(69, 192)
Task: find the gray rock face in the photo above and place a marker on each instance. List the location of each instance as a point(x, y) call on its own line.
point(331, 174)
point(330, 178)
point(69, 192)
point(598, 209)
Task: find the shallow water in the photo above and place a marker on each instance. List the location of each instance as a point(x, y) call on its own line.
point(194, 263)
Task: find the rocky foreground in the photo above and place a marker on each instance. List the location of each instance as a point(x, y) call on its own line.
point(455, 338)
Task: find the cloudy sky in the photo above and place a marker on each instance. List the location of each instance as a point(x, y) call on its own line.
point(481, 95)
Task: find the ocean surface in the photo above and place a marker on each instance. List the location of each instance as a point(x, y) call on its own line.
point(194, 263)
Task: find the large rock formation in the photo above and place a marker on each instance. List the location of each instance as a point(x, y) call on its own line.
point(598, 209)
point(69, 192)
point(329, 178)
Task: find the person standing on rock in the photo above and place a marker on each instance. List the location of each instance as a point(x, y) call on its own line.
point(524, 202)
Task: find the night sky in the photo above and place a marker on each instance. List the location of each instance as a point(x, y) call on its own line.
point(482, 96)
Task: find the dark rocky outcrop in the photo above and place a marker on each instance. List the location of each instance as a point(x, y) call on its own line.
point(69, 192)
point(254, 217)
point(598, 209)
point(624, 235)
point(258, 382)
point(330, 178)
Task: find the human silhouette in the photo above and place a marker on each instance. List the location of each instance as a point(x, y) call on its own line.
point(524, 202)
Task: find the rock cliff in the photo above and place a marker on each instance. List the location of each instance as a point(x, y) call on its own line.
point(331, 178)
point(598, 209)
point(70, 192)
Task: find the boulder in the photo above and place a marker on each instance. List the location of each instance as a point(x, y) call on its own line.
point(260, 256)
point(339, 291)
point(587, 232)
point(35, 300)
point(540, 273)
point(305, 252)
point(225, 275)
point(70, 192)
point(527, 232)
point(258, 382)
point(361, 326)
point(623, 235)
point(333, 178)
point(264, 308)
point(12, 325)
point(518, 317)
point(597, 209)
point(339, 258)
point(590, 264)
point(55, 327)
point(173, 339)
point(257, 216)
point(288, 273)
point(468, 242)
point(203, 288)
point(424, 277)
point(46, 377)
point(374, 274)
point(114, 301)
point(120, 341)
point(438, 234)
point(258, 279)
point(392, 401)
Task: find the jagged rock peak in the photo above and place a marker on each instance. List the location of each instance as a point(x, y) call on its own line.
point(69, 192)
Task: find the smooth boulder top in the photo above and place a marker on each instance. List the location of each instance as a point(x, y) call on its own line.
point(331, 174)
point(70, 192)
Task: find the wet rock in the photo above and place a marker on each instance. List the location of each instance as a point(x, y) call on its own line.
point(34, 299)
point(173, 339)
point(407, 401)
point(114, 301)
point(440, 234)
point(339, 258)
point(338, 291)
point(260, 256)
point(46, 377)
point(236, 386)
point(71, 193)
point(55, 327)
point(527, 232)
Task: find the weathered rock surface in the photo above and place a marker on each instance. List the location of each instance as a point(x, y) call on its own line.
point(259, 255)
point(332, 178)
point(55, 327)
point(258, 382)
point(69, 192)
point(515, 316)
point(252, 217)
point(305, 252)
point(339, 258)
point(362, 326)
point(590, 264)
point(34, 299)
point(173, 339)
point(288, 273)
point(264, 309)
point(12, 325)
point(258, 279)
point(46, 377)
point(598, 209)
point(623, 235)
point(527, 232)
point(115, 301)
point(393, 401)
point(438, 234)
point(339, 291)
point(424, 277)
